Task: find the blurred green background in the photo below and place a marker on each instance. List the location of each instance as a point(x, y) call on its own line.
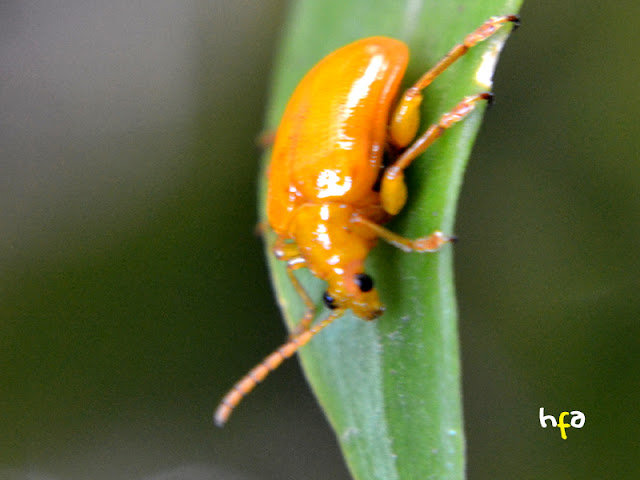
point(133, 290)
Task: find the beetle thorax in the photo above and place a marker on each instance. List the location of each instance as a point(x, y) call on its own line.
point(335, 251)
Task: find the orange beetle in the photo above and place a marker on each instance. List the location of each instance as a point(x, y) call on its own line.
point(329, 189)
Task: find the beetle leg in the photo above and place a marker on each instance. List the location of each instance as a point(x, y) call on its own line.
point(405, 120)
point(247, 383)
point(261, 228)
point(310, 308)
point(430, 243)
point(266, 139)
point(393, 190)
point(290, 253)
point(287, 251)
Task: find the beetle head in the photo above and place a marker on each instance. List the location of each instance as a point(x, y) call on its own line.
point(355, 292)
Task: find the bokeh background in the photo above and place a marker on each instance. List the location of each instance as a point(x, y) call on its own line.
point(133, 290)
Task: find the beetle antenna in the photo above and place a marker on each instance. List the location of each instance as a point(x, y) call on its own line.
point(247, 383)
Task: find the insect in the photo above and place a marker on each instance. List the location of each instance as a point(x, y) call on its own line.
point(329, 190)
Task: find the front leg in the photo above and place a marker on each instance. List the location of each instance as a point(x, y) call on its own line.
point(290, 253)
point(430, 243)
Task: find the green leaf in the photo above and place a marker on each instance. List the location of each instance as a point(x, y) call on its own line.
point(391, 388)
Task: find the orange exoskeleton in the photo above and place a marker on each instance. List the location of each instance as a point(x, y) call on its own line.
point(329, 191)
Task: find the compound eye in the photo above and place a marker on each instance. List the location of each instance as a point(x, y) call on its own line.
point(364, 282)
point(329, 301)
